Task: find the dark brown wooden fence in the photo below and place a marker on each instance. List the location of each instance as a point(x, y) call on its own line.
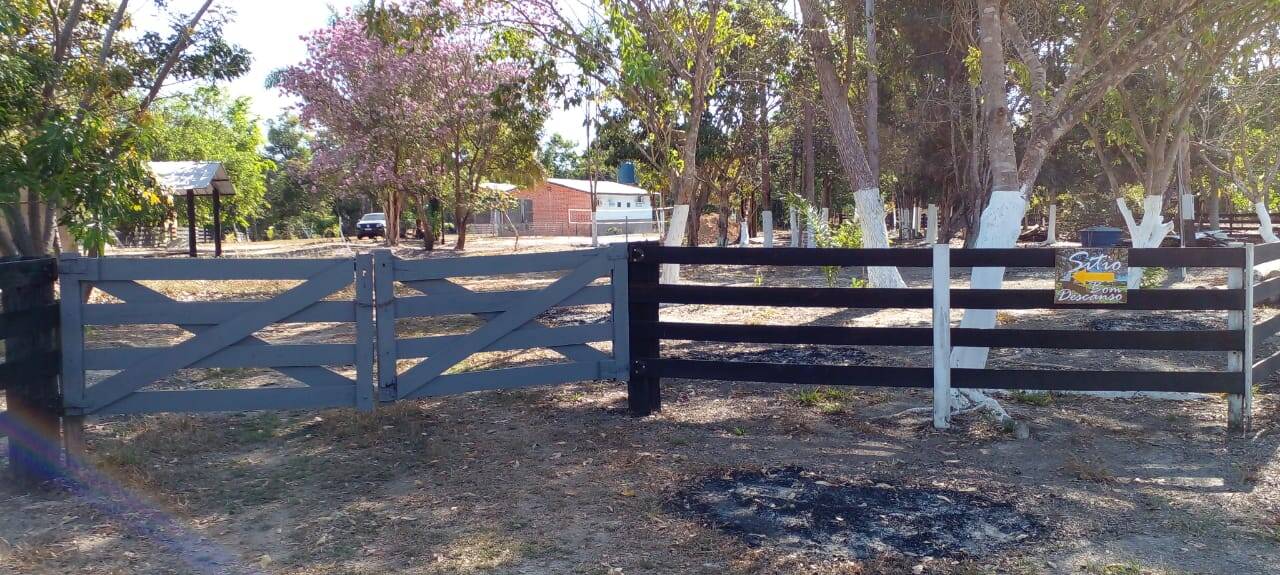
point(648, 365)
point(29, 373)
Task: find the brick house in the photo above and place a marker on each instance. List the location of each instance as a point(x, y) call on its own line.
point(562, 207)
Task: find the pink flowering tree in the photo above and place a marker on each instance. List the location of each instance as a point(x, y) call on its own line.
point(399, 95)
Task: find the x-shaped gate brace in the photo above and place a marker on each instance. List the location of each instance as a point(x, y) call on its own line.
point(208, 339)
point(519, 313)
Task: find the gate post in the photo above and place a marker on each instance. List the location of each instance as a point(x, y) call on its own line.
point(74, 273)
point(1240, 406)
point(620, 264)
point(941, 336)
point(31, 388)
point(644, 389)
point(384, 298)
point(365, 335)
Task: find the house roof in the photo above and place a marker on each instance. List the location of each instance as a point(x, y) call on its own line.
point(602, 187)
point(498, 186)
point(177, 178)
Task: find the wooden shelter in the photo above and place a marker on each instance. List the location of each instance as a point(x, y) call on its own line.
point(196, 179)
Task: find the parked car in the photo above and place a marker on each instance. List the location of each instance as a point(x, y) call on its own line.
point(372, 226)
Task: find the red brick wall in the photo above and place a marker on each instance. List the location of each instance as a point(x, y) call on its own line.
point(551, 205)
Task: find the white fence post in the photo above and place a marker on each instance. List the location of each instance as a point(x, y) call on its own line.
point(1240, 406)
point(941, 336)
point(932, 234)
point(766, 228)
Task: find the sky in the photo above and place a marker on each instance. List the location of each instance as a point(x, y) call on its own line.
point(271, 30)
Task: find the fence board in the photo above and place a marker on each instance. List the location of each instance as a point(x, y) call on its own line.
point(1263, 253)
point(1055, 380)
point(488, 302)
point(1263, 369)
point(523, 338)
point(207, 313)
point(1207, 340)
point(1266, 329)
point(213, 400)
point(509, 378)
point(249, 354)
point(1266, 291)
point(116, 269)
point(1139, 300)
point(415, 270)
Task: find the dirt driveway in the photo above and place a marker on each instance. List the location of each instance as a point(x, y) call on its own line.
point(562, 480)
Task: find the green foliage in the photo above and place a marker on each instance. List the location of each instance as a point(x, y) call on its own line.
point(560, 158)
point(1038, 398)
point(1154, 277)
point(827, 400)
point(74, 131)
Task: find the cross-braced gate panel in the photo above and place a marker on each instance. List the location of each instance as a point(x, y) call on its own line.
point(502, 321)
point(223, 334)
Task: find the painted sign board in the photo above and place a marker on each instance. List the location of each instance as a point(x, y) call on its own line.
point(1092, 276)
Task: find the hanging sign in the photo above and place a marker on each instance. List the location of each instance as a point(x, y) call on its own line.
point(1092, 276)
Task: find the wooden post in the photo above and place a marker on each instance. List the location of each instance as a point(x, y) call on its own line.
point(644, 390)
point(365, 335)
point(619, 281)
point(217, 223)
point(191, 223)
point(384, 297)
point(73, 273)
point(932, 237)
point(32, 398)
point(1240, 406)
point(941, 336)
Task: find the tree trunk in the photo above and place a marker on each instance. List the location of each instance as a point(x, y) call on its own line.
point(870, 206)
point(766, 171)
point(1000, 223)
point(1213, 207)
point(873, 93)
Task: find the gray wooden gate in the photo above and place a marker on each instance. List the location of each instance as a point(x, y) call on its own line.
point(510, 321)
point(222, 335)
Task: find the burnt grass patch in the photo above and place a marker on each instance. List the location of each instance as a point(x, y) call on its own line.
point(792, 510)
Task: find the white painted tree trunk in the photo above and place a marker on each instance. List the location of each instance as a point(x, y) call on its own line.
point(744, 238)
point(795, 227)
point(1000, 226)
point(1051, 235)
point(932, 235)
point(870, 210)
point(1268, 236)
point(766, 227)
point(676, 226)
point(1147, 234)
point(1264, 223)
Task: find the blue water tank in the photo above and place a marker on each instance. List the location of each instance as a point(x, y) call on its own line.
point(1100, 237)
point(627, 173)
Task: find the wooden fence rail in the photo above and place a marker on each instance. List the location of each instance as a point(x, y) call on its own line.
point(648, 365)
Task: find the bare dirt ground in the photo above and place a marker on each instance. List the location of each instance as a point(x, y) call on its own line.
point(562, 480)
